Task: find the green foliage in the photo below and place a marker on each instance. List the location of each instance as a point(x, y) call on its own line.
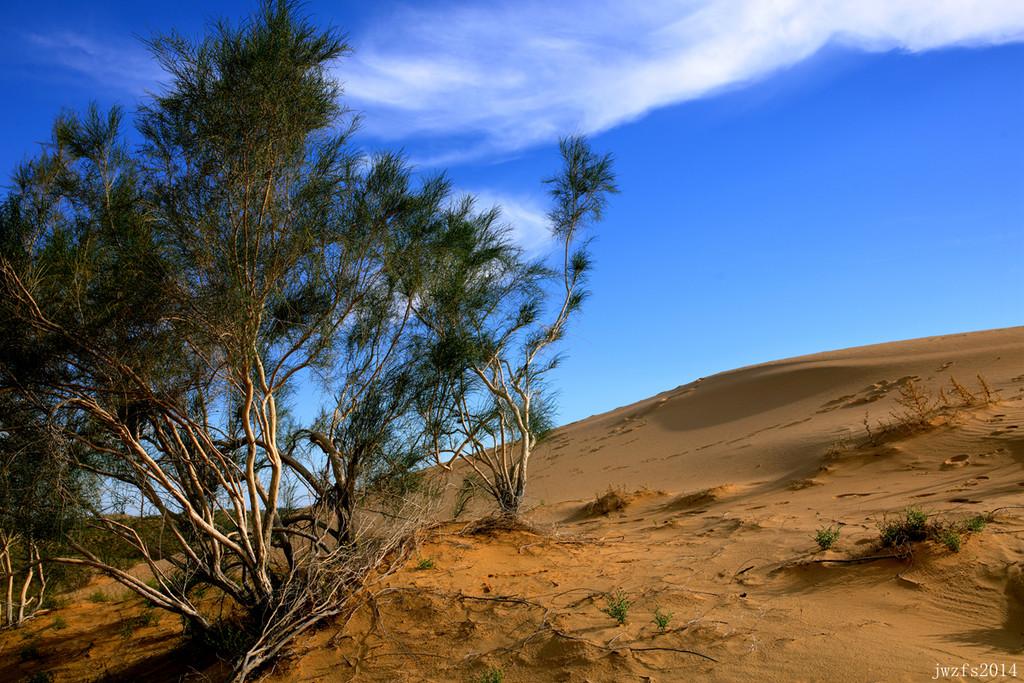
point(51, 601)
point(826, 537)
point(492, 675)
point(950, 538)
point(425, 563)
point(662, 619)
point(976, 523)
point(915, 525)
point(495, 318)
point(900, 532)
point(617, 606)
point(59, 623)
point(162, 302)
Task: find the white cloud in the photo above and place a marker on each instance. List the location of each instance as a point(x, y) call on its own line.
point(517, 73)
point(525, 215)
point(506, 74)
point(120, 65)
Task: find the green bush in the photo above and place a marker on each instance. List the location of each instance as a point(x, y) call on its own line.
point(618, 607)
point(425, 563)
point(662, 618)
point(976, 524)
point(900, 532)
point(98, 596)
point(492, 675)
point(951, 539)
point(826, 537)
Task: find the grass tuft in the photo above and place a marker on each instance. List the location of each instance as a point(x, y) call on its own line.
point(826, 537)
point(617, 607)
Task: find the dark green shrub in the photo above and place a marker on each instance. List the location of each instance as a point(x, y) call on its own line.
point(826, 537)
point(909, 527)
point(976, 523)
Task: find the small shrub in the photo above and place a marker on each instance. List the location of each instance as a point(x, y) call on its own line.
point(425, 563)
point(951, 539)
point(98, 596)
point(492, 675)
point(51, 601)
point(911, 526)
point(826, 537)
point(975, 524)
point(40, 677)
point(59, 623)
point(618, 607)
point(661, 619)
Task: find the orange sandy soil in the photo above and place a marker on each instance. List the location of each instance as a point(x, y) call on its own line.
point(724, 483)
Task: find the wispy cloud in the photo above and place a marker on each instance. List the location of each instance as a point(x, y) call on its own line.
point(525, 215)
point(518, 73)
point(507, 74)
point(118, 64)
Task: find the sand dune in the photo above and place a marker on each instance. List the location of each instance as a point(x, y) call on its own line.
point(719, 486)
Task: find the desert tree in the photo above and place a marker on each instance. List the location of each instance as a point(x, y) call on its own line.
point(43, 498)
point(170, 301)
point(494, 317)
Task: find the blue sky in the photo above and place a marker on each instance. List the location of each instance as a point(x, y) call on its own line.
point(795, 176)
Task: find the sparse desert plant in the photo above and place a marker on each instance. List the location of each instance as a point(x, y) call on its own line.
point(492, 675)
point(98, 597)
point(914, 524)
point(920, 408)
point(54, 602)
point(950, 538)
point(59, 623)
point(916, 405)
point(662, 619)
point(617, 606)
point(976, 523)
point(147, 618)
point(610, 501)
point(986, 391)
point(899, 532)
point(838, 448)
point(826, 537)
point(425, 563)
point(127, 629)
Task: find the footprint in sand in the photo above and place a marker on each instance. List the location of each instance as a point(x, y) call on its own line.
point(956, 461)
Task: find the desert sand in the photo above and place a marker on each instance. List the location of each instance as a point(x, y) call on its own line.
point(718, 488)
